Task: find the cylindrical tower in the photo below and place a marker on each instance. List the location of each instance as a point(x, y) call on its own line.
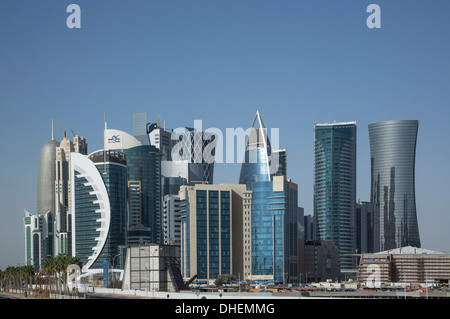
point(46, 177)
point(392, 153)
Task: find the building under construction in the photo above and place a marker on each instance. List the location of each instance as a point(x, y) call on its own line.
point(404, 265)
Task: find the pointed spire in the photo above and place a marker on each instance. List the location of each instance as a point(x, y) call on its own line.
point(260, 122)
point(53, 131)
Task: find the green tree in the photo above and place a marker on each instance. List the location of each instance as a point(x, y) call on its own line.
point(224, 279)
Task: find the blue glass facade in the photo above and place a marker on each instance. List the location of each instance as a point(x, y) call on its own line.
point(274, 230)
point(100, 206)
point(144, 166)
point(393, 150)
point(335, 186)
point(255, 167)
point(212, 233)
point(115, 179)
point(85, 219)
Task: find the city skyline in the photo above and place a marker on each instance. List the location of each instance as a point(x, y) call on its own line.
point(298, 63)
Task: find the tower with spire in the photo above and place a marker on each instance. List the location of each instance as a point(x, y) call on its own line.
point(261, 162)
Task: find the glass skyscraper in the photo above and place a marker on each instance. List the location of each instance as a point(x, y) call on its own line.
point(392, 154)
point(274, 230)
point(256, 165)
point(99, 201)
point(144, 170)
point(212, 230)
point(335, 186)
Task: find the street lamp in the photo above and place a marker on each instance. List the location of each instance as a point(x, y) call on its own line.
point(112, 271)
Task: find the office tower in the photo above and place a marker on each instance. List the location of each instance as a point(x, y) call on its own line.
point(392, 156)
point(185, 153)
point(46, 176)
point(144, 174)
point(335, 186)
point(137, 233)
point(261, 162)
point(39, 237)
point(39, 234)
point(144, 178)
point(256, 164)
point(197, 148)
point(171, 219)
point(212, 230)
point(160, 138)
point(309, 227)
point(139, 127)
point(62, 192)
point(301, 222)
point(274, 230)
point(280, 158)
point(366, 227)
point(99, 203)
point(118, 140)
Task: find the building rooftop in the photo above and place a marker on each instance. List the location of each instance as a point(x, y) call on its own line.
point(409, 250)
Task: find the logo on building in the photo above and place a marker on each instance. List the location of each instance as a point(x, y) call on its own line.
point(114, 139)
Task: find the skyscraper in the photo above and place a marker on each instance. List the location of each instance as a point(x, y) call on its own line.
point(274, 230)
point(213, 230)
point(47, 176)
point(63, 205)
point(39, 235)
point(335, 186)
point(392, 155)
point(256, 165)
point(144, 183)
point(144, 168)
point(139, 127)
point(99, 201)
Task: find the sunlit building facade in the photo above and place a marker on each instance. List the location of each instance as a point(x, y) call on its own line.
point(335, 187)
point(99, 201)
point(392, 156)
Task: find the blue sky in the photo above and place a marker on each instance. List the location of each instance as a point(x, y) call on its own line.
point(297, 62)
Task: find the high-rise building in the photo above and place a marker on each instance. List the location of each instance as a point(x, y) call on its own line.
point(261, 162)
point(274, 230)
point(171, 219)
point(99, 203)
point(62, 192)
point(144, 181)
point(47, 176)
point(160, 138)
point(144, 168)
point(39, 236)
point(186, 153)
point(256, 164)
point(213, 230)
point(308, 222)
point(139, 127)
point(392, 155)
point(198, 149)
point(335, 187)
point(366, 227)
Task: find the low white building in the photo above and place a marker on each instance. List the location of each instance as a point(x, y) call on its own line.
point(152, 268)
